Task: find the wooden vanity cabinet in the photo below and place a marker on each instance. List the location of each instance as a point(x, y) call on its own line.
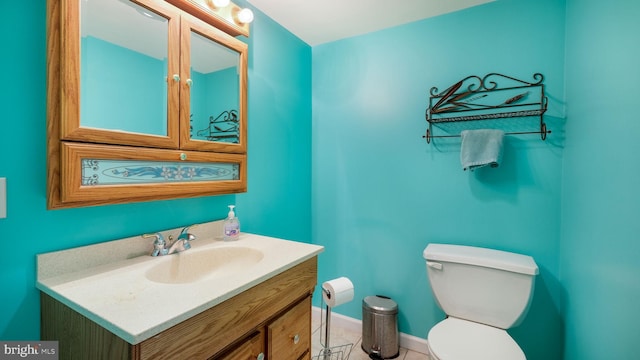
point(272, 318)
point(288, 337)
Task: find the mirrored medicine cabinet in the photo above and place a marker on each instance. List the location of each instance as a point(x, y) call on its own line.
point(144, 102)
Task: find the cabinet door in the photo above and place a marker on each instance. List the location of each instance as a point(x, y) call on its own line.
point(119, 72)
point(213, 104)
point(106, 174)
point(289, 336)
point(250, 349)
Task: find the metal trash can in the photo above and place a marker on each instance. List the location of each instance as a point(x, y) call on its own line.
point(380, 327)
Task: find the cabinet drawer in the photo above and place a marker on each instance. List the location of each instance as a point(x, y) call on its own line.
point(250, 349)
point(155, 174)
point(289, 337)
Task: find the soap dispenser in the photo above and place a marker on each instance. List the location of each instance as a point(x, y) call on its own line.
point(231, 226)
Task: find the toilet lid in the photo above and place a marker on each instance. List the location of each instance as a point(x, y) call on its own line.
point(456, 339)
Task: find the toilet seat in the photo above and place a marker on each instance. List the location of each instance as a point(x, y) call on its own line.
point(457, 339)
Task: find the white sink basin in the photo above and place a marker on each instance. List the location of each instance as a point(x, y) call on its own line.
point(192, 265)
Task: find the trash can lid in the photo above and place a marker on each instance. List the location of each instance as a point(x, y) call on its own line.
point(380, 304)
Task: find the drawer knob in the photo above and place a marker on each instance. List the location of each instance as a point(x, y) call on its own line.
point(260, 356)
point(183, 156)
point(296, 339)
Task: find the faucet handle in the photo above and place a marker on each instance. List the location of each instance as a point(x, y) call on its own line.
point(159, 238)
point(186, 229)
point(159, 244)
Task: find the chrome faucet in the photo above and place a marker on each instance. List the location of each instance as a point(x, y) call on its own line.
point(182, 243)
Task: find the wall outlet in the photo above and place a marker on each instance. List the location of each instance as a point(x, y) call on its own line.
point(3, 198)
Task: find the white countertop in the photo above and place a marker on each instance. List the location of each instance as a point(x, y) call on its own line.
point(118, 296)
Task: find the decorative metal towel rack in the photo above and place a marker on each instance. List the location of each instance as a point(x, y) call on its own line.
point(494, 96)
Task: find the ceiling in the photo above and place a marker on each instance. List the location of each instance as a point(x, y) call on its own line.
point(321, 21)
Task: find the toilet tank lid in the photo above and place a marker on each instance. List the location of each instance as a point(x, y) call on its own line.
point(490, 258)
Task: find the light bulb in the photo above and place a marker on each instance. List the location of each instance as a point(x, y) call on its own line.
point(220, 3)
point(245, 16)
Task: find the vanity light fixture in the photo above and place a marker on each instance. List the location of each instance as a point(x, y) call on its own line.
point(219, 4)
point(223, 14)
point(244, 16)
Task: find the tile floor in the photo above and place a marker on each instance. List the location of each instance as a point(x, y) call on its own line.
point(340, 337)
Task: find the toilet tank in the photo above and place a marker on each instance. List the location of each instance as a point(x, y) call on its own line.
point(483, 285)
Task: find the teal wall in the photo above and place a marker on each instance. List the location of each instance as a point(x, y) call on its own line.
point(600, 247)
point(279, 134)
point(30, 229)
point(381, 193)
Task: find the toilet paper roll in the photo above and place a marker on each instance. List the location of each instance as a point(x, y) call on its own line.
point(337, 291)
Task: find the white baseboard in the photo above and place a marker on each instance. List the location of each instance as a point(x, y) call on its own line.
point(407, 341)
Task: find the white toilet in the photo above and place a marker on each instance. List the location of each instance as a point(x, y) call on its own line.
point(483, 292)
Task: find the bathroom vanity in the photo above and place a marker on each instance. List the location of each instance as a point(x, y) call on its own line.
point(252, 309)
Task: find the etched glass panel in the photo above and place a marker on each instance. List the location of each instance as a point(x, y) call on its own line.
point(111, 172)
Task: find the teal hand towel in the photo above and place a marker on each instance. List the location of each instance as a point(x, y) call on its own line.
point(481, 148)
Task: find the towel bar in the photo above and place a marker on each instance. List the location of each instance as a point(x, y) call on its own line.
point(543, 134)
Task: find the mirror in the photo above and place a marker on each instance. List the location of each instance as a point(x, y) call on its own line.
point(127, 73)
point(123, 67)
point(215, 88)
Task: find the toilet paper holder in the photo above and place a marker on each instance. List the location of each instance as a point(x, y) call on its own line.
point(328, 352)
